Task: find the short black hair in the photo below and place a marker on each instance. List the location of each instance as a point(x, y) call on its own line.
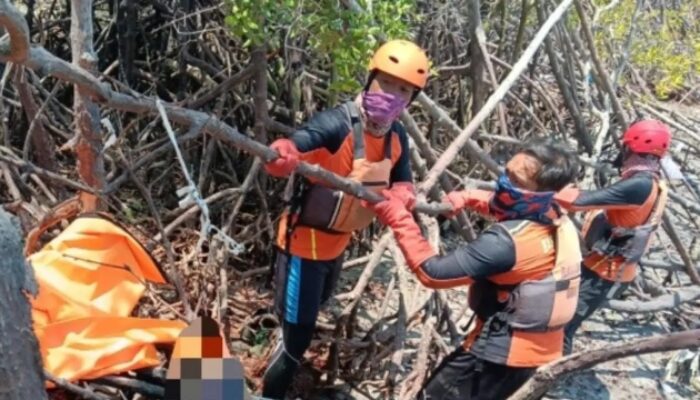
point(559, 164)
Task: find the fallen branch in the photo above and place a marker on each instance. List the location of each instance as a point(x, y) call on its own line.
point(31, 168)
point(664, 302)
point(682, 252)
point(134, 385)
point(547, 375)
point(75, 389)
point(600, 69)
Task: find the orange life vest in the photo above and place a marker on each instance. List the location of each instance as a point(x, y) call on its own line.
point(521, 313)
point(615, 243)
point(319, 222)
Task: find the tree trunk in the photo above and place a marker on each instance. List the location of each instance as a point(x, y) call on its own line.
point(21, 375)
point(87, 140)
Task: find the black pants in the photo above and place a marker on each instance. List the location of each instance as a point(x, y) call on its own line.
point(593, 293)
point(461, 375)
point(301, 287)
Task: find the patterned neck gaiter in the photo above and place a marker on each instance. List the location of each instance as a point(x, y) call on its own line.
point(510, 203)
point(640, 163)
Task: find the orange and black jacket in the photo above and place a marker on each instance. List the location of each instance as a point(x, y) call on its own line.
point(628, 203)
point(506, 254)
point(326, 140)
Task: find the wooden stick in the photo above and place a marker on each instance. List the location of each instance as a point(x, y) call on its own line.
point(73, 388)
point(664, 302)
point(453, 149)
point(134, 385)
point(676, 240)
point(57, 178)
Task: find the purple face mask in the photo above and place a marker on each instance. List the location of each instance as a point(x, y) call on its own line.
point(382, 108)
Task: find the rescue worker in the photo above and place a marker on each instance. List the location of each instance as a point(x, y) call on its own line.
point(361, 140)
point(523, 274)
point(617, 233)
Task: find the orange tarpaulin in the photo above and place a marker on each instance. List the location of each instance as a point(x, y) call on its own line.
point(90, 278)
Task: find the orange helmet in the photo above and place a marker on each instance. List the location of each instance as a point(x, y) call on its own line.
point(402, 59)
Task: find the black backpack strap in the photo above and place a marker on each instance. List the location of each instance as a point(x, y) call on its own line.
point(387, 144)
point(357, 130)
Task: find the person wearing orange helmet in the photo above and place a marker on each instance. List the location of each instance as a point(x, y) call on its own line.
point(621, 219)
point(363, 141)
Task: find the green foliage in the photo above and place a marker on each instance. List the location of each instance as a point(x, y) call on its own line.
point(342, 39)
point(666, 44)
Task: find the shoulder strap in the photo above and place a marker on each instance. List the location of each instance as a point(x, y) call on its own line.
point(387, 144)
point(659, 203)
point(357, 130)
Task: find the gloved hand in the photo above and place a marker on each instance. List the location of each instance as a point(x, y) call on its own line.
point(287, 161)
point(393, 213)
point(405, 191)
point(567, 197)
point(474, 199)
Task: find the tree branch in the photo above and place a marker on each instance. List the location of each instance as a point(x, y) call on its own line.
point(664, 302)
point(547, 375)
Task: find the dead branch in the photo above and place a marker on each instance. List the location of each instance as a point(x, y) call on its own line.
point(31, 168)
point(600, 69)
point(682, 252)
point(84, 393)
point(547, 375)
point(479, 36)
point(453, 150)
point(134, 385)
point(664, 302)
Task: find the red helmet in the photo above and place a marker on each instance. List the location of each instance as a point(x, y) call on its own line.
point(648, 136)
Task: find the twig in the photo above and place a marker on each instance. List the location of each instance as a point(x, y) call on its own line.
point(82, 392)
point(134, 385)
point(29, 167)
